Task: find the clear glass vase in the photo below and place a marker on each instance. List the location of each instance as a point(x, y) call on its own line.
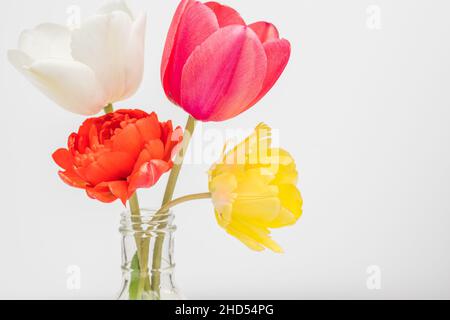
point(146, 237)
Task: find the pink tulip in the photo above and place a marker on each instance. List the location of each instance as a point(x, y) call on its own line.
point(215, 66)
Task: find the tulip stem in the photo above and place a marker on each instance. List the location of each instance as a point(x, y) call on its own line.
point(141, 247)
point(178, 201)
point(137, 227)
point(109, 108)
point(168, 195)
point(170, 188)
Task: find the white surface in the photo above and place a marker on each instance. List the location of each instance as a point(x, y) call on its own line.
point(364, 112)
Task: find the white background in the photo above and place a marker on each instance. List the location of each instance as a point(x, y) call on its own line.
point(365, 113)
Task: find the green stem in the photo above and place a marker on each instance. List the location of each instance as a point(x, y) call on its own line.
point(136, 222)
point(109, 108)
point(178, 201)
point(175, 172)
point(142, 246)
point(134, 205)
point(168, 195)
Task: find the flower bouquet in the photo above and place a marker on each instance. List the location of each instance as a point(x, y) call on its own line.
point(214, 67)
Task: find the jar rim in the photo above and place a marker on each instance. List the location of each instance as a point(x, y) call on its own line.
point(145, 212)
point(147, 222)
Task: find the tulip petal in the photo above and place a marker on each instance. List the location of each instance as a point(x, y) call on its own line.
point(129, 140)
point(117, 164)
point(259, 234)
point(95, 173)
point(285, 170)
point(265, 31)
point(143, 158)
point(235, 59)
point(70, 84)
point(172, 34)
point(222, 188)
point(135, 56)
point(291, 199)
point(153, 150)
point(166, 129)
point(147, 175)
point(72, 179)
point(120, 190)
point(278, 54)
point(20, 60)
point(284, 218)
point(196, 25)
point(101, 192)
point(257, 211)
point(149, 127)
point(253, 237)
point(101, 44)
point(46, 41)
point(245, 239)
point(80, 141)
point(225, 15)
point(173, 144)
point(250, 150)
point(63, 158)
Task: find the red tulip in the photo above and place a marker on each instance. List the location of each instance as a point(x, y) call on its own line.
point(215, 66)
point(113, 155)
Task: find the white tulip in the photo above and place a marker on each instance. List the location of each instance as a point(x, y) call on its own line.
point(85, 69)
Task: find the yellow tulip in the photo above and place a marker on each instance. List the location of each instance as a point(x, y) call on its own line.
point(254, 189)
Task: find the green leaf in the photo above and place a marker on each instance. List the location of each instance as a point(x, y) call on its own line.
point(135, 274)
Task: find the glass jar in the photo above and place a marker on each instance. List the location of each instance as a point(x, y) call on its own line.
point(148, 257)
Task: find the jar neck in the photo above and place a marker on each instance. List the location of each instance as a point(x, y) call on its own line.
point(139, 238)
point(149, 223)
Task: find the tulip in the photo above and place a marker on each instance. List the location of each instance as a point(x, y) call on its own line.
point(253, 188)
point(215, 66)
point(86, 69)
point(112, 156)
